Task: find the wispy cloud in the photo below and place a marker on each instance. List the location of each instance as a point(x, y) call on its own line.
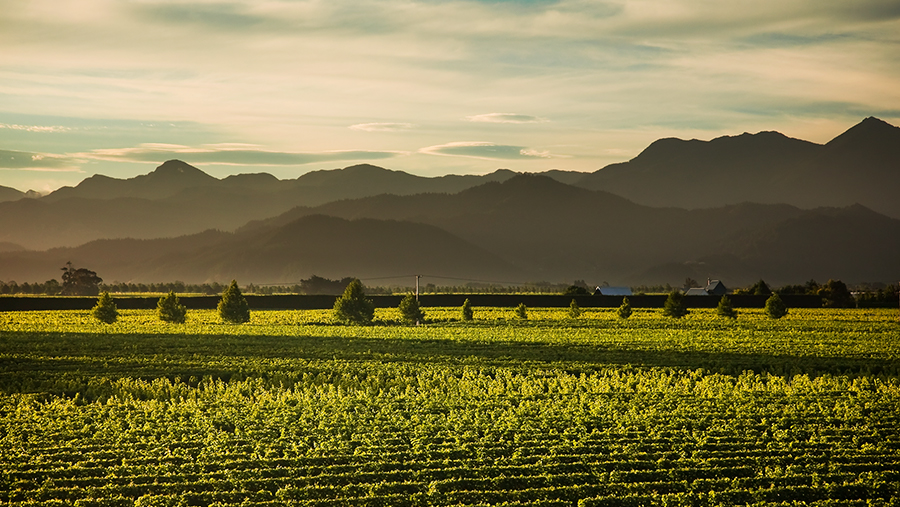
point(228, 154)
point(49, 129)
point(486, 151)
point(505, 118)
point(27, 161)
point(382, 127)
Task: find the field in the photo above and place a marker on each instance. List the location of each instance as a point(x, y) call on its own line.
point(292, 409)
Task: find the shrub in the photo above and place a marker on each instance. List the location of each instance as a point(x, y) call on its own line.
point(170, 309)
point(775, 307)
point(521, 311)
point(574, 310)
point(467, 312)
point(576, 290)
point(353, 307)
point(836, 295)
point(674, 306)
point(233, 308)
point(726, 309)
point(105, 310)
point(624, 310)
point(410, 311)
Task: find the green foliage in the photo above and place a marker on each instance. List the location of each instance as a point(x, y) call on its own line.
point(521, 311)
point(105, 310)
point(574, 310)
point(674, 306)
point(353, 307)
point(576, 290)
point(775, 307)
point(79, 282)
point(170, 309)
point(410, 311)
point(548, 412)
point(836, 295)
point(760, 288)
point(624, 310)
point(726, 309)
point(233, 307)
point(466, 311)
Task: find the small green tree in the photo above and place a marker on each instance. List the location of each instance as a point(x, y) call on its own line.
point(674, 306)
point(170, 309)
point(726, 309)
point(105, 309)
point(775, 307)
point(353, 307)
point(624, 310)
point(521, 311)
point(835, 294)
point(574, 310)
point(467, 312)
point(410, 311)
point(233, 308)
point(760, 288)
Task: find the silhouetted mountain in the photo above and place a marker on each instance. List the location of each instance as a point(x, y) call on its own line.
point(10, 194)
point(559, 232)
point(167, 180)
point(861, 165)
point(327, 246)
point(178, 199)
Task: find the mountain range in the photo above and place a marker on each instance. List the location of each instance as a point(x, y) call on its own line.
point(736, 208)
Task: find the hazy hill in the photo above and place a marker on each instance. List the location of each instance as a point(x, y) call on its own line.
point(527, 228)
point(861, 165)
point(559, 232)
point(168, 179)
point(178, 199)
point(326, 246)
point(10, 194)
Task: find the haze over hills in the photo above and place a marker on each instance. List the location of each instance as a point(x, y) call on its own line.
point(526, 229)
point(10, 194)
point(862, 165)
point(316, 244)
point(498, 226)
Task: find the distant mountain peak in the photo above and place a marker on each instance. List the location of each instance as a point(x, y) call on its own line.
point(178, 167)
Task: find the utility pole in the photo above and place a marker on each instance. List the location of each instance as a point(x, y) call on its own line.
point(417, 286)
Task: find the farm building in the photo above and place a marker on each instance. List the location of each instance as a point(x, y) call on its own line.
point(612, 291)
point(713, 288)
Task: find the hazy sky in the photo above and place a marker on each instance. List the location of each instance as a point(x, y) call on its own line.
point(425, 86)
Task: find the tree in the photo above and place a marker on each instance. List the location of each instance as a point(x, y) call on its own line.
point(760, 288)
point(574, 310)
point(353, 307)
point(775, 307)
point(674, 306)
point(624, 310)
point(522, 311)
point(233, 308)
point(410, 311)
point(576, 290)
point(467, 312)
point(105, 310)
point(726, 309)
point(79, 282)
point(836, 295)
point(170, 309)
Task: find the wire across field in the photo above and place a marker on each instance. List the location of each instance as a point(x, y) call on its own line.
point(293, 409)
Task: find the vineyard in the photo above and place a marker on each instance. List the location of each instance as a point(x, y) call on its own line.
point(294, 409)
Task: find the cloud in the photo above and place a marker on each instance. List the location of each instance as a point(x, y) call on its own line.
point(229, 154)
point(35, 128)
point(382, 127)
point(486, 151)
point(506, 118)
point(27, 161)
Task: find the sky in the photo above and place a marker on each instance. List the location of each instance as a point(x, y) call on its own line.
point(430, 87)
